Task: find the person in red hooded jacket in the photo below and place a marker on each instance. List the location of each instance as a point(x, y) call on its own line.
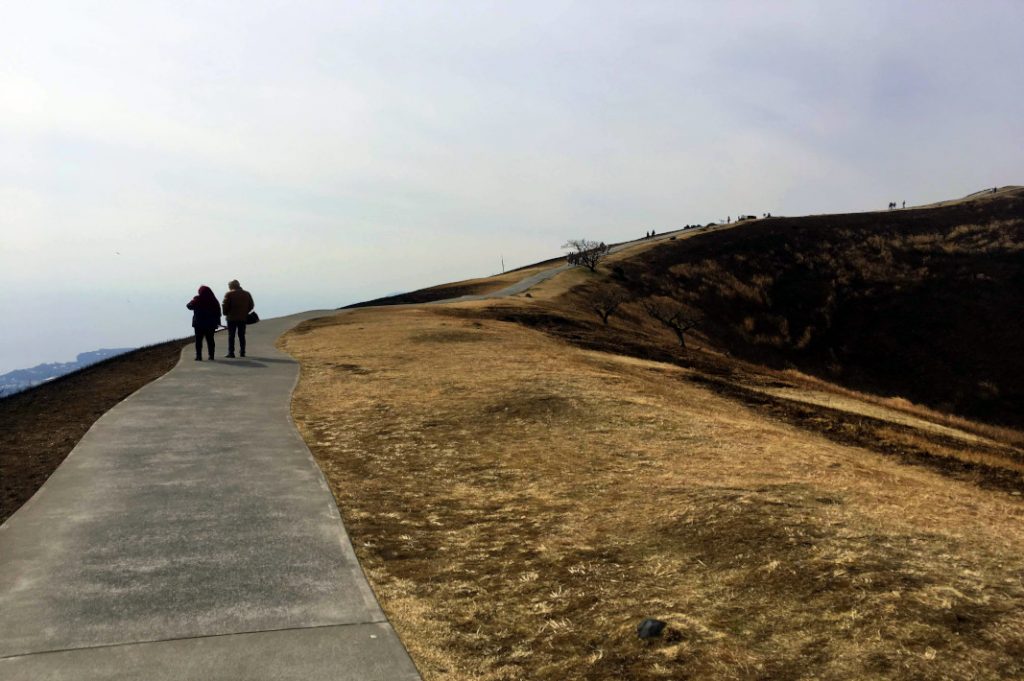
point(205, 319)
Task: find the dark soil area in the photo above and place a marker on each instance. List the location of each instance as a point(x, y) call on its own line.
point(924, 304)
point(41, 425)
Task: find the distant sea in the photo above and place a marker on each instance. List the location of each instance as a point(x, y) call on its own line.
point(20, 379)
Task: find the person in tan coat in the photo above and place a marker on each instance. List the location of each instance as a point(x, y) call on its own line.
point(236, 306)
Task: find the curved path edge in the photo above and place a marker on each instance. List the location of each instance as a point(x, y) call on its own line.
point(190, 534)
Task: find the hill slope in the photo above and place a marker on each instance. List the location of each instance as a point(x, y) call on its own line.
point(520, 505)
point(524, 483)
point(924, 304)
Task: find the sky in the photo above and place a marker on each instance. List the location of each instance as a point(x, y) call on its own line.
point(325, 153)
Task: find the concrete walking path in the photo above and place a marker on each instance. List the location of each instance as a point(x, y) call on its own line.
point(527, 283)
point(190, 535)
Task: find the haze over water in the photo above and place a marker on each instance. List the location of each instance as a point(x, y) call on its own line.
point(324, 153)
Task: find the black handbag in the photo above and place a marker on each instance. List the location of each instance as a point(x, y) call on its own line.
point(252, 318)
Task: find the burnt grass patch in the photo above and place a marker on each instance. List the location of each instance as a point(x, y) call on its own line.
point(348, 368)
point(920, 303)
point(448, 336)
point(40, 426)
point(427, 295)
point(537, 408)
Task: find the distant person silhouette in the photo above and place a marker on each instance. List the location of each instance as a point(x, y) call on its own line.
point(904, 204)
point(237, 305)
point(205, 319)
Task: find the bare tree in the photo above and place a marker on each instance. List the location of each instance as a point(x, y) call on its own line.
point(605, 301)
point(585, 252)
point(672, 315)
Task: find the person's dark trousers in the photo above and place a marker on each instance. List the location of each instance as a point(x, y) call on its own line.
point(236, 327)
point(200, 335)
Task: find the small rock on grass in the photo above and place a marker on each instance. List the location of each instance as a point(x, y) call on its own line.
point(650, 628)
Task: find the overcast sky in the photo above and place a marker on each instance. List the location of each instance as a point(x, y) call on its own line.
point(329, 152)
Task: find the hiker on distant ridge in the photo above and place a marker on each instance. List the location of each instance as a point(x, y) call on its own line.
point(237, 305)
point(205, 319)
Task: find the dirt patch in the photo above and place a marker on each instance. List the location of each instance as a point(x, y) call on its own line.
point(541, 408)
point(447, 336)
point(347, 368)
point(40, 426)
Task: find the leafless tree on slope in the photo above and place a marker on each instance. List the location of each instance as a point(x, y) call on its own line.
point(585, 252)
point(673, 315)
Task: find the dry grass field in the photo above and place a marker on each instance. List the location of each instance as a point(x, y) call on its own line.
point(521, 498)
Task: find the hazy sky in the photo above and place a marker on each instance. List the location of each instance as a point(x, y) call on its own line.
point(329, 152)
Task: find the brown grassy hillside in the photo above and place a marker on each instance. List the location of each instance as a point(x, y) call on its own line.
point(520, 503)
point(523, 484)
point(925, 304)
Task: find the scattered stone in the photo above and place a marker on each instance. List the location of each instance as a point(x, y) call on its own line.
point(650, 628)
